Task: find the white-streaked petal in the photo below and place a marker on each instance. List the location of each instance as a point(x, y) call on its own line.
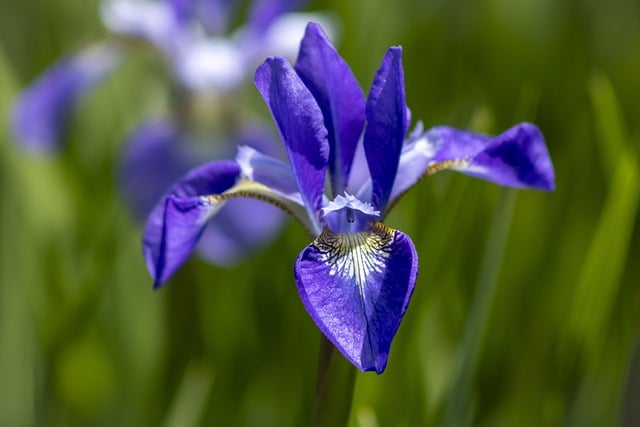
point(357, 287)
point(268, 171)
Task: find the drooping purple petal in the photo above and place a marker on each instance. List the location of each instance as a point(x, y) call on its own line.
point(184, 221)
point(357, 287)
point(386, 125)
point(41, 112)
point(517, 158)
point(177, 220)
point(301, 126)
point(339, 96)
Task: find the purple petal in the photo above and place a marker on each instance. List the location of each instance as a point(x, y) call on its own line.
point(268, 171)
point(339, 96)
point(357, 287)
point(301, 127)
point(178, 219)
point(516, 158)
point(386, 126)
point(42, 110)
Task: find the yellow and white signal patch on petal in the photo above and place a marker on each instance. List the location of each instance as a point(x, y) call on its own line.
point(357, 286)
point(356, 256)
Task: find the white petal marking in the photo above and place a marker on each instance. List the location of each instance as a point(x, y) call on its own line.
point(355, 257)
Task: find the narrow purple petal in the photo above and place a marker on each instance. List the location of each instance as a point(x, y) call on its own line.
point(41, 112)
point(516, 158)
point(386, 126)
point(301, 126)
point(184, 221)
point(357, 287)
point(177, 220)
point(339, 96)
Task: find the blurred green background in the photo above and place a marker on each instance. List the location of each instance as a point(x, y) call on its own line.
point(527, 306)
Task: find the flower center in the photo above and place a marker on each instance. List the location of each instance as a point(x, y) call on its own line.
point(348, 214)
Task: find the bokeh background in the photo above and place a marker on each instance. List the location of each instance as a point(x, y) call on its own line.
point(527, 306)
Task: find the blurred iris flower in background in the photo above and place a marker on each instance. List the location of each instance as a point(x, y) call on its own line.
point(207, 64)
point(356, 278)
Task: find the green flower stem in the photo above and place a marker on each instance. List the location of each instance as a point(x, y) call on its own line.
point(334, 387)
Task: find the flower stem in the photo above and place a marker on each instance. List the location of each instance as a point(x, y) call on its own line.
point(334, 387)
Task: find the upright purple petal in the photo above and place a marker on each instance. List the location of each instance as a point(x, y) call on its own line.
point(339, 96)
point(386, 126)
point(178, 219)
point(41, 112)
point(357, 287)
point(516, 158)
point(301, 126)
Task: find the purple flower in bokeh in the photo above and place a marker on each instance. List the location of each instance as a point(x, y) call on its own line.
point(356, 278)
point(208, 63)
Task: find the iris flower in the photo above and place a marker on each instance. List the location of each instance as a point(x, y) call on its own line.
point(207, 64)
point(350, 160)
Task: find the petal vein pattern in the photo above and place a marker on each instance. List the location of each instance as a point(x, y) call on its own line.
point(357, 287)
point(354, 256)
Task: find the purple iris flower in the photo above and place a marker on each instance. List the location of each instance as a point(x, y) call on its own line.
point(357, 276)
point(208, 62)
point(191, 35)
